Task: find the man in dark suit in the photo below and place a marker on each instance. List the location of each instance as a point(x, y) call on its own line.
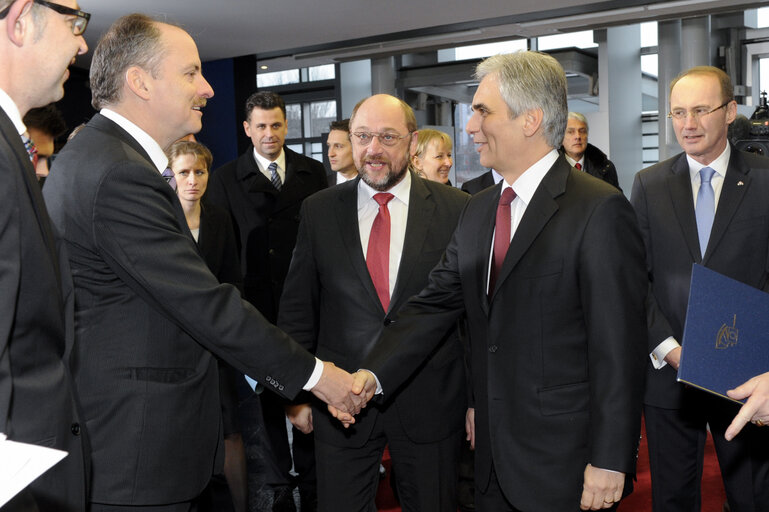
point(37, 398)
point(482, 182)
point(332, 304)
point(554, 293)
point(263, 190)
point(709, 206)
point(583, 155)
point(149, 314)
point(340, 153)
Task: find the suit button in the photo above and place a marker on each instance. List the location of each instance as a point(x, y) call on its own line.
point(388, 321)
point(75, 428)
point(493, 348)
point(272, 252)
point(280, 388)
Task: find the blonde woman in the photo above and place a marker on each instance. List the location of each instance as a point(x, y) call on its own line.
point(432, 159)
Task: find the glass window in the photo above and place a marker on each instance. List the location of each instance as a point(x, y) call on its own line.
point(277, 78)
point(763, 17)
point(320, 114)
point(649, 64)
point(325, 72)
point(294, 120)
point(299, 148)
point(582, 39)
point(648, 34)
point(316, 151)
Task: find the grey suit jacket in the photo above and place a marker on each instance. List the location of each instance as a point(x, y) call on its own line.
point(330, 305)
point(738, 246)
point(37, 401)
point(148, 315)
point(556, 352)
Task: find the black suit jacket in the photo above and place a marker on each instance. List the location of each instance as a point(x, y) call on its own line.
point(266, 220)
point(479, 183)
point(37, 399)
point(330, 305)
point(557, 352)
point(148, 315)
point(738, 246)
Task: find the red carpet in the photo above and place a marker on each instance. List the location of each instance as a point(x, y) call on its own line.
point(713, 495)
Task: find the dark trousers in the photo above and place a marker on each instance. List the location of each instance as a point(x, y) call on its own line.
point(676, 446)
point(425, 473)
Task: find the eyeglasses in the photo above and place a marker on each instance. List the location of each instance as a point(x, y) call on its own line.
point(385, 139)
point(680, 114)
point(78, 24)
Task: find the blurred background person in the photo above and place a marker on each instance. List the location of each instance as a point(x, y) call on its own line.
point(584, 156)
point(212, 229)
point(432, 159)
point(340, 153)
point(44, 125)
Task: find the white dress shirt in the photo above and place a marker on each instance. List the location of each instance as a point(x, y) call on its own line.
point(12, 111)
point(264, 163)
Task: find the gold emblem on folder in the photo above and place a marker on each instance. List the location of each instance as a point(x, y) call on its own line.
point(727, 335)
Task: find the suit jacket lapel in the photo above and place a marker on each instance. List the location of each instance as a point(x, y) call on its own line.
point(347, 220)
point(421, 211)
point(679, 185)
point(539, 211)
point(736, 183)
point(488, 215)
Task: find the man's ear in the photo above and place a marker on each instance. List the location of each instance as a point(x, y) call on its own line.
point(18, 22)
point(532, 121)
point(413, 143)
point(137, 80)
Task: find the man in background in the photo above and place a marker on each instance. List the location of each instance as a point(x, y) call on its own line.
point(583, 155)
point(707, 205)
point(37, 397)
point(263, 191)
point(44, 125)
point(340, 153)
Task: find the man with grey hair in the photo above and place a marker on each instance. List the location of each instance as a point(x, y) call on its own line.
point(549, 268)
point(37, 400)
point(149, 314)
point(583, 155)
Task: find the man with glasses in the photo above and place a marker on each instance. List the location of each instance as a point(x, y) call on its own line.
point(364, 247)
point(707, 205)
point(37, 403)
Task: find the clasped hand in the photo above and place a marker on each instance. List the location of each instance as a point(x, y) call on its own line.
point(344, 393)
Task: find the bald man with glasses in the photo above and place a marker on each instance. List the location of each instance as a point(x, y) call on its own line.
point(37, 402)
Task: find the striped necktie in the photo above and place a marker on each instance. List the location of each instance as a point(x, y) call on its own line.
point(274, 176)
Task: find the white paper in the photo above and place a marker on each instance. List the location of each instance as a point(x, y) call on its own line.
point(21, 464)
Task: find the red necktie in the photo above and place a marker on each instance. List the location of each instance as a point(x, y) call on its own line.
point(578, 166)
point(501, 235)
point(378, 252)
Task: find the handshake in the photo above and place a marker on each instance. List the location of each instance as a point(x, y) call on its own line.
point(344, 393)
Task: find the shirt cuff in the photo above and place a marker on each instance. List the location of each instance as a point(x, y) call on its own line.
point(315, 376)
point(663, 349)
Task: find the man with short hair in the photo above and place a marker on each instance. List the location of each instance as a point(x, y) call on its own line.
point(44, 125)
point(340, 153)
point(556, 333)
point(149, 314)
point(263, 190)
point(345, 283)
point(37, 398)
point(584, 156)
point(707, 205)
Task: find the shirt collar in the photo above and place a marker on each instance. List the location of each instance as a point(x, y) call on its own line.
point(264, 163)
point(719, 164)
point(148, 144)
point(12, 111)
point(401, 191)
point(527, 183)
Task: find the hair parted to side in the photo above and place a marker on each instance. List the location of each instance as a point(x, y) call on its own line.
point(265, 100)
point(531, 80)
point(186, 147)
point(133, 40)
point(408, 112)
point(342, 126)
point(727, 89)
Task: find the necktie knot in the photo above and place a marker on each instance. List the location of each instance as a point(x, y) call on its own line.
point(507, 197)
point(168, 175)
point(706, 174)
point(274, 176)
point(383, 198)
point(31, 148)
point(578, 166)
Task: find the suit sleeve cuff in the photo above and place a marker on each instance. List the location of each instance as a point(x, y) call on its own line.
point(663, 349)
point(315, 376)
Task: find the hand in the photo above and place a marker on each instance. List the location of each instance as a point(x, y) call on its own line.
point(756, 409)
point(601, 489)
point(334, 388)
point(673, 358)
point(300, 416)
point(364, 385)
point(347, 419)
point(470, 427)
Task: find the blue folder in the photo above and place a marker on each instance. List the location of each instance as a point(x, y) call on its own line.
point(726, 335)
